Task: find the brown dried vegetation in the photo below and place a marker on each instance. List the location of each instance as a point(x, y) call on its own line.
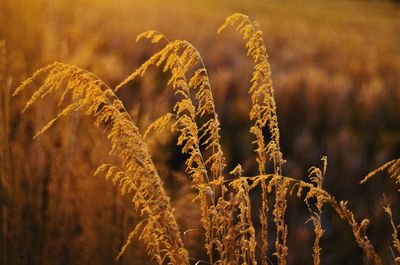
point(227, 216)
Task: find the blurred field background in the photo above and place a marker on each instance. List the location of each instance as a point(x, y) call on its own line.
point(336, 72)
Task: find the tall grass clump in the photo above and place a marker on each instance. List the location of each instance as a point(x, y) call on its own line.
point(227, 219)
point(136, 174)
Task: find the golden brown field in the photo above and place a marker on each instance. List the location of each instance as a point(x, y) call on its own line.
point(258, 155)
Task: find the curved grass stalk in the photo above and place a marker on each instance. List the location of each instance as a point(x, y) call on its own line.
point(137, 175)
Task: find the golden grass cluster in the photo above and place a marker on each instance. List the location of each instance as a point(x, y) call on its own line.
point(227, 216)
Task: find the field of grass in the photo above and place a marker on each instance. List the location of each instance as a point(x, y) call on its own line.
point(336, 77)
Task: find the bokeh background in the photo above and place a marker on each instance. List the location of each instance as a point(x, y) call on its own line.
point(336, 73)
